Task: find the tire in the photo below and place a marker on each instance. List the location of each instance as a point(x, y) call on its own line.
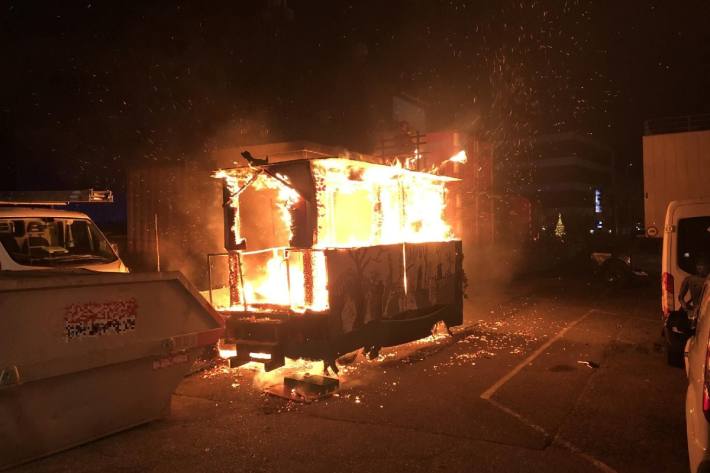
point(675, 345)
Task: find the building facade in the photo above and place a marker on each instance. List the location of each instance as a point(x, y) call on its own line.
point(569, 177)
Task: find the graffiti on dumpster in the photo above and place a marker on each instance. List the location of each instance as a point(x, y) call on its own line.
point(93, 319)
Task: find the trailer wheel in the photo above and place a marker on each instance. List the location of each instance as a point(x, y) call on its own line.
point(674, 349)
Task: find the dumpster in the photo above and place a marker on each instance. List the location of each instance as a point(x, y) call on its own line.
point(84, 355)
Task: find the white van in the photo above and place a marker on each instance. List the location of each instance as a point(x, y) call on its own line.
point(686, 240)
point(32, 239)
point(35, 236)
point(697, 400)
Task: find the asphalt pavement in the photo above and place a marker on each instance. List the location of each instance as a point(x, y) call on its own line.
point(550, 374)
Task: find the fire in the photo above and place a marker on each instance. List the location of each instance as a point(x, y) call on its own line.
point(459, 157)
point(287, 195)
point(353, 204)
point(226, 350)
point(410, 162)
point(366, 205)
point(232, 183)
point(278, 277)
point(258, 181)
point(265, 283)
point(306, 295)
point(260, 356)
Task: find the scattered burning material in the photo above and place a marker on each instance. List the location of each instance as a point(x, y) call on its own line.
point(309, 387)
point(459, 157)
point(329, 255)
point(439, 353)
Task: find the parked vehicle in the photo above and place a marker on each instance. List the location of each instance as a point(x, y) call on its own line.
point(37, 237)
point(686, 242)
point(676, 166)
point(623, 262)
point(676, 170)
point(78, 334)
point(697, 401)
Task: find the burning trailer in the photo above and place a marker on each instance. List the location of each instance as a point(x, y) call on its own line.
point(329, 255)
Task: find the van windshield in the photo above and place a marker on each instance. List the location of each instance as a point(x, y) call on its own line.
point(693, 242)
point(52, 241)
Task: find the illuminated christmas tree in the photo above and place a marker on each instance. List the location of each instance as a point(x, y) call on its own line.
point(560, 227)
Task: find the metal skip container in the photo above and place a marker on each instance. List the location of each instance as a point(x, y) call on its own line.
point(86, 355)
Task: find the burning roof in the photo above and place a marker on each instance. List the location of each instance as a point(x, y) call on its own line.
point(282, 218)
point(335, 202)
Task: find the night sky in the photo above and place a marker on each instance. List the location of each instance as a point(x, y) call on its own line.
point(89, 88)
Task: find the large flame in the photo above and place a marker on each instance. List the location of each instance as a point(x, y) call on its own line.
point(265, 282)
point(285, 277)
point(357, 204)
point(459, 157)
point(236, 183)
point(364, 205)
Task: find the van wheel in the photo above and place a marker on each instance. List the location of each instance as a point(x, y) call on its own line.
point(675, 344)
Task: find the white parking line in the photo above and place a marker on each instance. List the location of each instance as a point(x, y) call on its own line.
point(521, 418)
point(508, 376)
point(488, 393)
point(600, 465)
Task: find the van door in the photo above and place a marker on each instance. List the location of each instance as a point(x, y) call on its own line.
point(687, 240)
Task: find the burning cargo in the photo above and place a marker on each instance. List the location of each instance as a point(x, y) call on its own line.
point(329, 255)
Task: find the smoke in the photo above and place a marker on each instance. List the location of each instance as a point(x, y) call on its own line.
point(186, 205)
point(496, 264)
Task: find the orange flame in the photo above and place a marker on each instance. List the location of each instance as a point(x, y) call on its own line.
point(357, 204)
point(459, 157)
point(364, 205)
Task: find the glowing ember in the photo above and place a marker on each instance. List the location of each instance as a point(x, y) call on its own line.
point(260, 356)
point(459, 157)
point(226, 350)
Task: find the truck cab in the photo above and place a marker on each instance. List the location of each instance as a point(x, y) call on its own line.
point(34, 236)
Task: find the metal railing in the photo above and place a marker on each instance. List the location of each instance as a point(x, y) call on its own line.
point(226, 281)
